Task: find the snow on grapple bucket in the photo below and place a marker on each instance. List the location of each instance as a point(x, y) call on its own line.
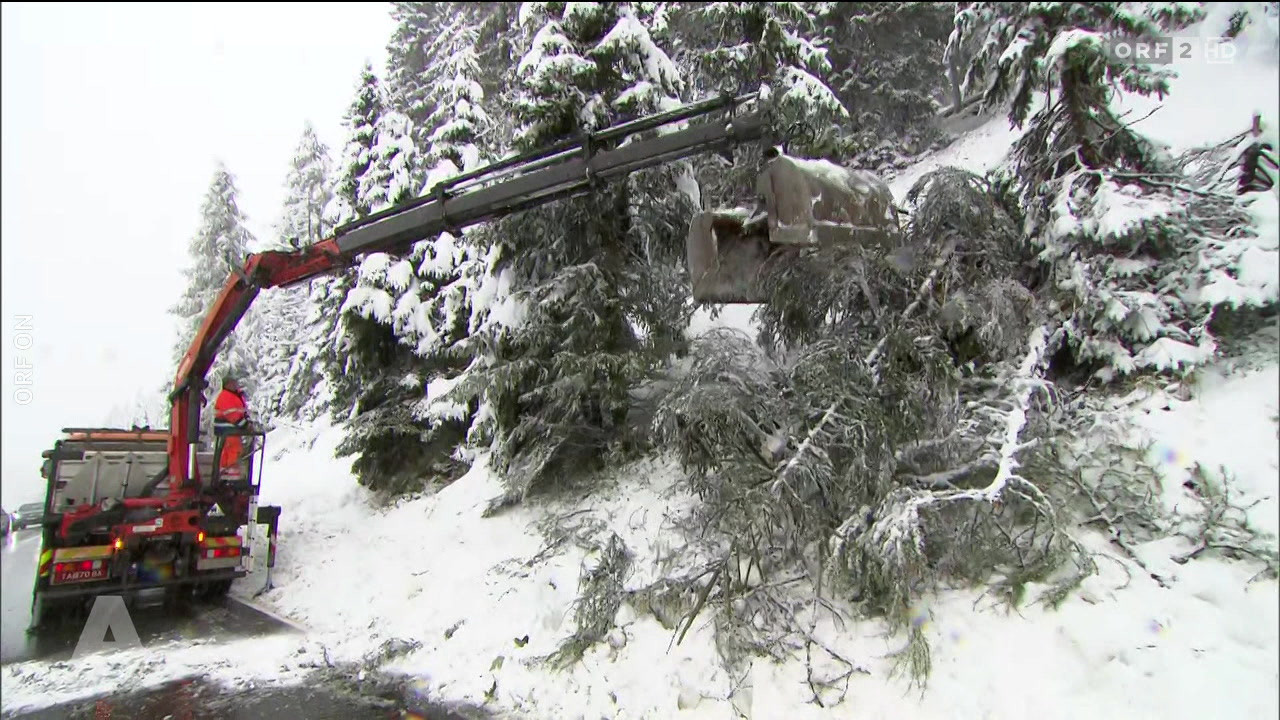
point(112, 526)
point(807, 204)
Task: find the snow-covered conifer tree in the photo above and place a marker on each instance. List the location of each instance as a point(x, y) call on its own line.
point(383, 381)
point(886, 61)
point(431, 314)
point(309, 188)
point(1127, 240)
point(592, 288)
point(396, 173)
point(410, 56)
point(315, 381)
point(359, 153)
point(219, 246)
point(278, 316)
point(777, 49)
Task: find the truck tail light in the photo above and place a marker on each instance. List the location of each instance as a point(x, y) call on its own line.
point(74, 566)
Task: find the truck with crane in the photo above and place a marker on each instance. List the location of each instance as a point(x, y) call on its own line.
point(129, 510)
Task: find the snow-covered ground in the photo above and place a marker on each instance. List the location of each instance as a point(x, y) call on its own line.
point(435, 571)
point(482, 608)
point(481, 603)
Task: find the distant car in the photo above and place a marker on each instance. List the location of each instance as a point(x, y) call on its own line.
point(28, 515)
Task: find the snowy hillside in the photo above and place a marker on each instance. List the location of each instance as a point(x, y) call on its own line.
point(584, 602)
point(480, 604)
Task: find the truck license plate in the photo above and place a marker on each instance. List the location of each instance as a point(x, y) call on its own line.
point(63, 576)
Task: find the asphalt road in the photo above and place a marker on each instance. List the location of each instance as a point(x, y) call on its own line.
point(225, 619)
point(188, 698)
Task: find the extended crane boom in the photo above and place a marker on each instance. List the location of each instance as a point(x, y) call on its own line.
point(109, 529)
point(500, 189)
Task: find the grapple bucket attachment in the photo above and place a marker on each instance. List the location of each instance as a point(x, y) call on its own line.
point(807, 204)
point(726, 256)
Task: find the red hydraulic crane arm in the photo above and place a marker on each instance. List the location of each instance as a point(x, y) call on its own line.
point(262, 270)
point(500, 189)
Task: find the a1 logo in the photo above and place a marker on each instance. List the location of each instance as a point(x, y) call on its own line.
point(109, 613)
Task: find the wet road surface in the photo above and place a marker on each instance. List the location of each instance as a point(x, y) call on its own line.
point(190, 699)
point(224, 619)
point(185, 699)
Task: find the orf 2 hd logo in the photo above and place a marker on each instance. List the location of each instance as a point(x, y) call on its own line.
point(1176, 50)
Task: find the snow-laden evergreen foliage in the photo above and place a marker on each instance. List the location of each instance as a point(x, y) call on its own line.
point(360, 151)
point(886, 61)
point(418, 26)
point(881, 443)
point(278, 315)
point(421, 55)
point(219, 247)
point(309, 189)
point(432, 315)
point(498, 48)
point(1134, 252)
point(316, 382)
point(396, 173)
point(407, 313)
point(594, 290)
point(452, 132)
point(777, 46)
point(378, 381)
point(776, 49)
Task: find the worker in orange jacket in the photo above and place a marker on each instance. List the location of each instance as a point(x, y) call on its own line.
point(230, 410)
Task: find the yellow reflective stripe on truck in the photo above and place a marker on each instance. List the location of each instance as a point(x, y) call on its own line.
point(46, 562)
point(228, 541)
point(92, 552)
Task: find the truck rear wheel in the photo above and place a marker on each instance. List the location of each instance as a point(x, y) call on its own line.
point(50, 613)
point(217, 590)
point(212, 591)
point(177, 597)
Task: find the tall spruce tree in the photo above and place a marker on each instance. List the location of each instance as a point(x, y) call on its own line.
point(593, 291)
point(218, 248)
point(426, 35)
point(308, 191)
point(280, 314)
point(432, 315)
point(316, 381)
point(409, 55)
point(396, 172)
point(382, 381)
point(408, 315)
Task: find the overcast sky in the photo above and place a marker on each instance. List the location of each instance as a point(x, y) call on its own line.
point(114, 118)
